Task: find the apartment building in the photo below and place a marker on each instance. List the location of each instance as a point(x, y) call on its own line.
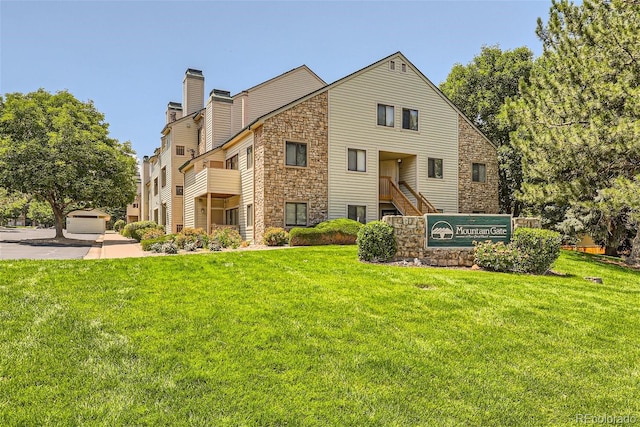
point(193, 128)
point(382, 140)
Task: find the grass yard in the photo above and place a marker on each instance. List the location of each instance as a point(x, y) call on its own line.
point(310, 336)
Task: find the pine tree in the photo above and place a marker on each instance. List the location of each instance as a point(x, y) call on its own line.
point(579, 119)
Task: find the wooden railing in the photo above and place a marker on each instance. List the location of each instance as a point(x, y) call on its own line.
point(424, 205)
point(389, 190)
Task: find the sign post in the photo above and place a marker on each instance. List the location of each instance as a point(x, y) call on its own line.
point(461, 230)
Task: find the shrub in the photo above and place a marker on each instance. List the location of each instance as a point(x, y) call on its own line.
point(214, 245)
point(227, 237)
point(169, 248)
point(531, 250)
point(148, 243)
point(495, 256)
point(196, 236)
point(136, 229)
point(376, 242)
point(537, 249)
point(275, 236)
point(119, 225)
point(344, 225)
point(156, 247)
point(190, 246)
point(341, 231)
point(152, 233)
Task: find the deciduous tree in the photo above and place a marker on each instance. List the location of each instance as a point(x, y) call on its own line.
point(58, 149)
point(480, 90)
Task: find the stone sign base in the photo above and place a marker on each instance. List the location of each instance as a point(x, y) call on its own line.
point(410, 235)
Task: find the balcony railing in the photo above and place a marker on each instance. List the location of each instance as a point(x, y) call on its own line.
point(222, 182)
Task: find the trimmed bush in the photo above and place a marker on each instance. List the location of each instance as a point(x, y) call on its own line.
point(376, 242)
point(119, 225)
point(135, 230)
point(227, 237)
point(537, 249)
point(531, 250)
point(341, 231)
point(275, 236)
point(495, 256)
point(147, 244)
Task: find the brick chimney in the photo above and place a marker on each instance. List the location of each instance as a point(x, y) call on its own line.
point(192, 91)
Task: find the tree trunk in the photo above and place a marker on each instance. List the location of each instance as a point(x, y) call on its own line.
point(58, 214)
point(634, 257)
point(611, 251)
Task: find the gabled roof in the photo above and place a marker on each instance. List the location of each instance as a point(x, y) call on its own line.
point(261, 119)
point(302, 67)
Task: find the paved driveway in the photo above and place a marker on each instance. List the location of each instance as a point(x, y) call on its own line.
point(30, 243)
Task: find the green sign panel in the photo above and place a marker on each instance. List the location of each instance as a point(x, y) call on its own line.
point(461, 230)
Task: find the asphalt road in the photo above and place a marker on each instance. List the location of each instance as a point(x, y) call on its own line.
point(27, 243)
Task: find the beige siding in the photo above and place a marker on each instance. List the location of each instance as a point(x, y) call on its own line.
point(353, 124)
point(189, 197)
point(192, 94)
point(273, 94)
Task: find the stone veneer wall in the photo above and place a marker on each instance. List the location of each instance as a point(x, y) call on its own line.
point(474, 148)
point(410, 235)
point(275, 183)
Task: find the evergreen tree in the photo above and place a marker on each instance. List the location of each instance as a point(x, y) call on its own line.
point(579, 119)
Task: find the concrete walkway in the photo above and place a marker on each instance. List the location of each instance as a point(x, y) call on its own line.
point(114, 245)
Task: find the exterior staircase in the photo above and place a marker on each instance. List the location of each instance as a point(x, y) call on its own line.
point(391, 192)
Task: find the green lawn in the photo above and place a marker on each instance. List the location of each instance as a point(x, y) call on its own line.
point(310, 336)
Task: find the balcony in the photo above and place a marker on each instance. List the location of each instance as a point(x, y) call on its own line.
point(218, 182)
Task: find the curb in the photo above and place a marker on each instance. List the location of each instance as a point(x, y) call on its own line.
point(97, 249)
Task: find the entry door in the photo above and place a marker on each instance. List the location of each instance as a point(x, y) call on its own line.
point(389, 168)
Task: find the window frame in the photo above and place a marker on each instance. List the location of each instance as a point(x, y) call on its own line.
point(232, 161)
point(386, 111)
point(306, 214)
point(286, 154)
point(409, 110)
point(163, 177)
point(250, 215)
point(181, 192)
point(473, 173)
point(364, 218)
point(228, 214)
point(180, 148)
point(430, 169)
point(155, 186)
point(249, 157)
point(356, 150)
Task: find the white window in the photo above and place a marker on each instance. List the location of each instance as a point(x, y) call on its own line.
point(357, 160)
point(385, 115)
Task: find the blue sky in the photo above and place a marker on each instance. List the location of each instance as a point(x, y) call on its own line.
point(129, 57)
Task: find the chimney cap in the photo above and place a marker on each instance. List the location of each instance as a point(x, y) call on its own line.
point(193, 72)
point(174, 105)
point(220, 92)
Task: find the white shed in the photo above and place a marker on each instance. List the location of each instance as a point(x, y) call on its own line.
point(89, 221)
